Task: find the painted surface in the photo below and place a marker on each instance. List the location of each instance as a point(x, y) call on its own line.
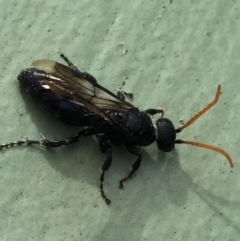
point(170, 54)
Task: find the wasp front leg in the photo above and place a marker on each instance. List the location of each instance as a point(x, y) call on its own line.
point(135, 151)
point(158, 110)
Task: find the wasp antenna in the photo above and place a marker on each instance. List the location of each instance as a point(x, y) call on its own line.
point(200, 113)
point(207, 146)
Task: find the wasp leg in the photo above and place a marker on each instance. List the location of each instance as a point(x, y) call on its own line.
point(135, 151)
point(76, 71)
point(70, 140)
point(121, 94)
point(69, 63)
point(20, 143)
point(105, 148)
point(159, 110)
point(50, 143)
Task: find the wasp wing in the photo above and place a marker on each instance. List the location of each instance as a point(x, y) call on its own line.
point(81, 88)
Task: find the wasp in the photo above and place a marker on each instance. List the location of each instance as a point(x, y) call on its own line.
point(77, 99)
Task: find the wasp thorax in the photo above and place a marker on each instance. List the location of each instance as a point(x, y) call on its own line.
point(134, 121)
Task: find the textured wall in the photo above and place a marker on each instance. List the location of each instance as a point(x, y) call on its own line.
point(169, 54)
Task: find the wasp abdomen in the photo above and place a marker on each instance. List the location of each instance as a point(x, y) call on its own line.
point(68, 112)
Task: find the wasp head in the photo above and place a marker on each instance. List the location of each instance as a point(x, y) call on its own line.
point(165, 135)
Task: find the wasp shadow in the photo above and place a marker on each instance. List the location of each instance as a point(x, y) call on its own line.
point(167, 178)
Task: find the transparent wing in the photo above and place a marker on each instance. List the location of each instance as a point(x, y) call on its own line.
point(81, 88)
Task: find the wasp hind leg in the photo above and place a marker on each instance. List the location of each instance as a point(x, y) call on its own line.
point(69, 63)
point(68, 141)
point(76, 71)
point(50, 143)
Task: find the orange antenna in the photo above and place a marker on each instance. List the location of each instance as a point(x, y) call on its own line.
point(203, 145)
point(210, 147)
point(200, 113)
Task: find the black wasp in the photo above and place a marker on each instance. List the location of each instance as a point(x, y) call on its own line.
point(77, 99)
